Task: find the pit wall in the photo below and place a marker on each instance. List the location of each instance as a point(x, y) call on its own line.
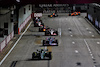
point(24, 16)
point(5, 40)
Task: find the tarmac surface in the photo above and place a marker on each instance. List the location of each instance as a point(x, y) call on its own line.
point(78, 45)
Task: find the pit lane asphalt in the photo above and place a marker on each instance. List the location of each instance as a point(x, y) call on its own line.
point(65, 54)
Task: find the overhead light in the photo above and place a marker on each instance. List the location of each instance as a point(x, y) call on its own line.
point(18, 0)
point(96, 4)
point(12, 12)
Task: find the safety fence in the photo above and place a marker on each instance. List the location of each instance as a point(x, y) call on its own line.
point(6, 41)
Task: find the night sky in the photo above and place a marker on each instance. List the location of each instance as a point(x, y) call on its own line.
point(9, 2)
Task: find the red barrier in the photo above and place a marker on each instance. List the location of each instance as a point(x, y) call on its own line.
point(23, 24)
point(4, 43)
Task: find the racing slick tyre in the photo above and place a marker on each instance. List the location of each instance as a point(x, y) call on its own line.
point(47, 33)
point(56, 32)
point(43, 42)
point(33, 55)
point(69, 14)
point(50, 55)
point(36, 56)
point(40, 29)
point(56, 41)
point(79, 14)
point(49, 15)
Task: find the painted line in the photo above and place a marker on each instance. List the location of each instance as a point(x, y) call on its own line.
point(98, 42)
point(59, 30)
point(92, 35)
point(76, 51)
point(85, 41)
point(90, 32)
point(69, 28)
point(73, 42)
point(92, 57)
point(93, 39)
point(87, 28)
point(87, 45)
point(71, 35)
point(78, 28)
point(15, 44)
point(88, 48)
point(70, 32)
point(90, 52)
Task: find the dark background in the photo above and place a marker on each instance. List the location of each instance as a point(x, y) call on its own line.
point(24, 2)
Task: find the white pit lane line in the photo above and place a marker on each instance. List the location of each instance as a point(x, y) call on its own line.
point(87, 45)
point(59, 30)
point(87, 28)
point(76, 51)
point(98, 42)
point(68, 28)
point(90, 32)
point(73, 42)
point(70, 32)
point(71, 35)
point(15, 43)
point(92, 35)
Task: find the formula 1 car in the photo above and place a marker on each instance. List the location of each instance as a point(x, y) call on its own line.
point(36, 19)
point(53, 15)
point(51, 32)
point(42, 55)
point(74, 14)
point(43, 29)
point(50, 42)
point(38, 24)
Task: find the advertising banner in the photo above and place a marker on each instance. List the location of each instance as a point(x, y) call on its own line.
point(37, 14)
point(89, 17)
point(96, 23)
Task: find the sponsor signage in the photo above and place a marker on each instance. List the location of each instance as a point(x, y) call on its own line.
point(53, 5)
point(37, 14)
point(18, 0)
point(96, 22)
point(90, 17)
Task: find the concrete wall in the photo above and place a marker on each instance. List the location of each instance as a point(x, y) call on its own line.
point(94, 13)
point(6, 18)
point(22, 21)
point(23, 16)
point(91, 10)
